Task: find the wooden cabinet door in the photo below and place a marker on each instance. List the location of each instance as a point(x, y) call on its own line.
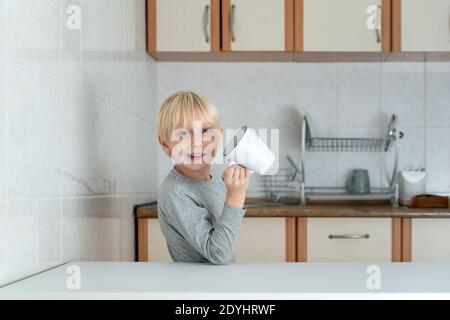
point(157, 247)
point(257, 25)
point(343, 239)
point(425, 25)
point(343, 25)
point(183, 25)
point(262, 239)
point(430, 239)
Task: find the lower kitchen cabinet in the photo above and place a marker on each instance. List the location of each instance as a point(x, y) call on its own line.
point(157, 247)
point(260, 239)
point(348, 239)
point(430, 240)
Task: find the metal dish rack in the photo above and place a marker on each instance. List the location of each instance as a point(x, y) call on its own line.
point(283, 184)
point(310, 143)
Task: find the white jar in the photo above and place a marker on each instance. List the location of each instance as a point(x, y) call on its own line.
point(411, 183)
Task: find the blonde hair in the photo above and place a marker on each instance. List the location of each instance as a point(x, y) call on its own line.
point(184, 107)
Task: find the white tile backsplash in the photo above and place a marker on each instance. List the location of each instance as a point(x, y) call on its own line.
point(340, 99)
point(437, 93)
point(313, 92)
point(358, 94)
point(438, 159)
point(403, 92)
point(77, 117)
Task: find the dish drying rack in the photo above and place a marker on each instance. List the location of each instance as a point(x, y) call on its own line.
point(327, 144)
point(283, 184)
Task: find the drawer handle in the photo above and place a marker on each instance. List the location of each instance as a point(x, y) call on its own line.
point(349, 236)
point(232, 22)
point(378, 24)
point(206, 24)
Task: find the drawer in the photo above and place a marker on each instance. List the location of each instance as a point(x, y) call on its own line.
point(328, 239)
point(261, 239)
point(430, 240)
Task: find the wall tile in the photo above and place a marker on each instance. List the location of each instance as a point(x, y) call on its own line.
point(71, 46)
point(173, 76)
point(109, 239)
point(438, 159)
point(320, 169)
point(22, 249)
point(123, 212)
point(134, 149)
point(358, 94)
point(74, 241)
point(70, 93)
point(34, 118)
point(96, 33)
point(80, 146)
point(403, 93)
point(437, 93)
point(313, 92)
point(34, 34)
point(266, 95)
point(50, 237)
point(4, 240)
point(3, 129)
point(130, 86)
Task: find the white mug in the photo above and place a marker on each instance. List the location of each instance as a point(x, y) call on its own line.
point(246, 149)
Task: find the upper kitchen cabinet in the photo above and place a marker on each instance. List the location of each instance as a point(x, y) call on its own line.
point(257, 25)
point(342, 26)
point(421, 26)
point(183, 26)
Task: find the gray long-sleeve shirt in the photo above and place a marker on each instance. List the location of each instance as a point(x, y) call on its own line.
point(197, 223)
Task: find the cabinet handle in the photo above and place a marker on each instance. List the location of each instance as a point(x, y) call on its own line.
point(378, 23)
point(349, 236)
point(232, 22)
point(206, 24)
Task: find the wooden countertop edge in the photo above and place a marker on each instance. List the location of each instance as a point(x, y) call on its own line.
point(327, 212)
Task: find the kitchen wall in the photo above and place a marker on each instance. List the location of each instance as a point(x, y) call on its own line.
point(341, 99)
point(77, 105)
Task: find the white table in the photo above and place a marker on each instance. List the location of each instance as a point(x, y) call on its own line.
point(153, 280)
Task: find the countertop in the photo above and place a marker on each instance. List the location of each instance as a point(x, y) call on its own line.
point(158, 280)
point(320, 210)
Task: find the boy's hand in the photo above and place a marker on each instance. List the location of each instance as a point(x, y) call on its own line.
point(236, 180)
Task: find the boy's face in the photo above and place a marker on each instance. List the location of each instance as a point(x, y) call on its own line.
point(193, 145)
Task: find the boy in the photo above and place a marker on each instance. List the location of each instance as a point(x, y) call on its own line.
point(200, 214)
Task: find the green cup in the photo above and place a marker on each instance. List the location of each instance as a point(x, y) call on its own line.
point(359, 181)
